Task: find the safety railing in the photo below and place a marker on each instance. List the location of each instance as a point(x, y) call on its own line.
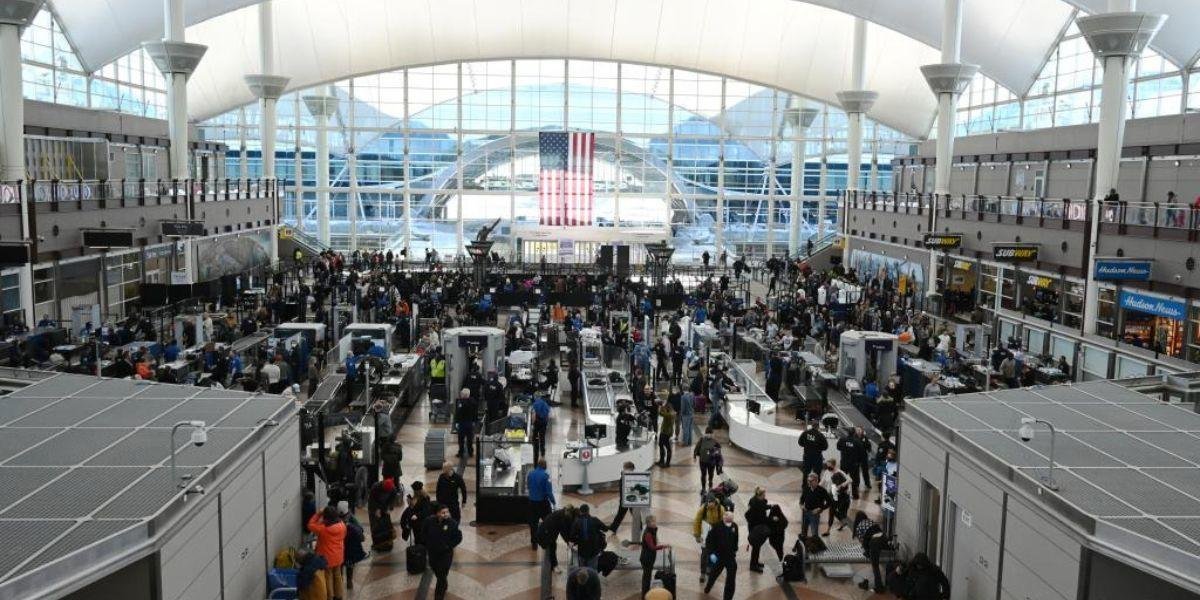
point(134, 192)
point(906, 203)
point(1150, 214)
point(1018, 207)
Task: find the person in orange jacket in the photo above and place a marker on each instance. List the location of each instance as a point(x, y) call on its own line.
point(331, 544)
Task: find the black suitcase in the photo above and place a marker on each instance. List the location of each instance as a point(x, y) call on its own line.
point(666, 574)
point(415, 559)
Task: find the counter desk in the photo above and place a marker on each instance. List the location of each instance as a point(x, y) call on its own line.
point(758, 433)
point(607, 461)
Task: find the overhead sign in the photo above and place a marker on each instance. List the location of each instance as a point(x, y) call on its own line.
point(1153, 305)
point(14, 253)
point(1015, 252)
point(635, 490)
point(962, 265)
point(182, 228)
point(1040, 282)
point(107, 238)
point(285, 233)
point(943, 241)
point(1110, 269)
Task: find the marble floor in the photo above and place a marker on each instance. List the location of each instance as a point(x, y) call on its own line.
point(497, 563)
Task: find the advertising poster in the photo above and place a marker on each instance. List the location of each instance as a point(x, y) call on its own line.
point(635, 490)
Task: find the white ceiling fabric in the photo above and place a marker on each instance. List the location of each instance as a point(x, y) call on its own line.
point(799, 46)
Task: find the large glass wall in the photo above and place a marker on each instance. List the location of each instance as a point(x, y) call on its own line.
point(704, 159)
point(1067, 92)
point(51, 72)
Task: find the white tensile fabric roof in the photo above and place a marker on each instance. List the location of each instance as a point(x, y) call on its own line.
point(799, 46)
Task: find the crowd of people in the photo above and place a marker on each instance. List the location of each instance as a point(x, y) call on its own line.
point(674, 390)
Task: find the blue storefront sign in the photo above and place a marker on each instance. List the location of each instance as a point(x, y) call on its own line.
point(1123, 270)
point(1153, 305)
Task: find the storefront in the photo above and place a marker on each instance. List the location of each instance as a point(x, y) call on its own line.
point(1040, 298)
point(1153, 322)
point(960, 291)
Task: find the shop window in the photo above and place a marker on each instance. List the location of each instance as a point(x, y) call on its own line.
point(1106, 313)
point(1193, 353)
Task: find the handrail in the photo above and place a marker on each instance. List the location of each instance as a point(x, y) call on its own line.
point(1150, 214)
point(130, 191)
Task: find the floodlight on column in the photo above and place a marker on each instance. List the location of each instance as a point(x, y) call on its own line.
point(175, 57)
point(949, 78)
point(857, 101)
point(269, 87)
point(801, 118)
point(19, 12)
point(1120, 33)
point(321, 106)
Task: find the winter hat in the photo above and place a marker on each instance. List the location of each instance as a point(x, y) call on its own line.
point(343, 507)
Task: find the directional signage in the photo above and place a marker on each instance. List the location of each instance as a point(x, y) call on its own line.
point(182, 228)
point(1015, 252)
point(943, 241)
point(107, 238)
point(1117, 269)
point(14, 253)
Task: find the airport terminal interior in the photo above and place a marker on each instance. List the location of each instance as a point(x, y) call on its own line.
point(528, 299)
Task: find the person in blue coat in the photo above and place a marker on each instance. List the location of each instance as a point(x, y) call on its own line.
point(541, 498)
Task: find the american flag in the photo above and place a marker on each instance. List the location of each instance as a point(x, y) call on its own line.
point(565, 189)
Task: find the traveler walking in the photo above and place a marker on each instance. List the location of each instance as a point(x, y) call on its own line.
point(721, 549)
point(449, 485)
point(331, 542)
point(441, 535)
point(708, 452)
point(814, 499)
point(541, 498)
point(589, 538)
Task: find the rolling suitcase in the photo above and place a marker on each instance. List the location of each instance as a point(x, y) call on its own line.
point(416, 559)
point(666, 575)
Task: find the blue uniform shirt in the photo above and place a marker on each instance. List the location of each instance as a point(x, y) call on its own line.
point(542, 409)
point(538, 482)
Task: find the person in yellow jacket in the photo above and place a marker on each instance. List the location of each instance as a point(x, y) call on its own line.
point(711, 513)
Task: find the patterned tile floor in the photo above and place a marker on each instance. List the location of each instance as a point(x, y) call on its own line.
point(497, 563)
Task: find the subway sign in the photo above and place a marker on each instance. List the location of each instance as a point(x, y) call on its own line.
point(943, 241)
point(1015, 252)
point(1108, 269)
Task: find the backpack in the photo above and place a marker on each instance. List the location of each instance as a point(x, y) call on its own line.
point(814, 545)
point(607, 562)
point(286, 558)
point(793, 568)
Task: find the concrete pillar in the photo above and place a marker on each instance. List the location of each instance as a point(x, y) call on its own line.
point(322, 107)
point(177, 59)
point(15, 15)
point(268, 87)
point(800, 119)
point(352, 201)
point(856, 101)
point(947, 79)
point(1117, 38)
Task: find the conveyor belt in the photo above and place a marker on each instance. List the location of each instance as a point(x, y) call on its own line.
point(242, 344)
point(328, 394)
point(599, 399)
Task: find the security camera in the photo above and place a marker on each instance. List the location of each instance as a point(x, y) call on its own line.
point(199, 434)
point(1026, 430)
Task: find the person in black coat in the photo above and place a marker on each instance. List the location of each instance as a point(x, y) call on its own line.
point(449, 485)
point(557, 523)
point(923, 580)
point(588, 532)
point(441, 535)
point(575, 379)
point(493, 396)
point(772, 528)
point(814, 444)
point(855, 449)
point(466, 411)
point(720, 550)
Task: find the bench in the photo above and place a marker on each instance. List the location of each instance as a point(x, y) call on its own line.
point(837, 557)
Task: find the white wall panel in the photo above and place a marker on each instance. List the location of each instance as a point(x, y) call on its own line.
point(189, 558)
